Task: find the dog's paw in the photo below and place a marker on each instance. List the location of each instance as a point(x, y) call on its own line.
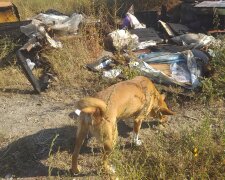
point(110, 169)
point(76, 170)
point(137, 142)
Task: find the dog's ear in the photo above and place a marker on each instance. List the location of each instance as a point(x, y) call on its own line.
point(89, 110)
point(166, 111)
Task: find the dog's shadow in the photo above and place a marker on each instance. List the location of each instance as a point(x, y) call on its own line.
point(23, 157)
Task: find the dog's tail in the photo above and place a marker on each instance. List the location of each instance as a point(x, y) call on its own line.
point(90, 105)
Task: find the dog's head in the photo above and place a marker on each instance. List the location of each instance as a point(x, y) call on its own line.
point(161, 110)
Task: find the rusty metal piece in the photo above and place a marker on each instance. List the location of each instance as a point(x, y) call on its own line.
point(8, 12)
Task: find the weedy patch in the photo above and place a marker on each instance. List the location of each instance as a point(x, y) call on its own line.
point(7, 45)
point(189, 155)
point(213, 87)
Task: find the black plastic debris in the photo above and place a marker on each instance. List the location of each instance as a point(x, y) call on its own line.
point(147, 34)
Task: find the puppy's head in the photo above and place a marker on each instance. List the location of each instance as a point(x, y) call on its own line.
point(162, 110)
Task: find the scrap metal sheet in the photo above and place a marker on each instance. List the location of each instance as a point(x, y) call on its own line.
point(147, 34)
point(211, 4)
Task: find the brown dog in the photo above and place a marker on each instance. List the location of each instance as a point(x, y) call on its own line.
point(134, 98)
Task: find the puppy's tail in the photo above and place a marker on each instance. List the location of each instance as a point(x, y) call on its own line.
point(90, 105)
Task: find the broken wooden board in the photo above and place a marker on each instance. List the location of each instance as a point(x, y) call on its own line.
point(165, 68)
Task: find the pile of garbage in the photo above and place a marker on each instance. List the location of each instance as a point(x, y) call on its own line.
point(167, 51)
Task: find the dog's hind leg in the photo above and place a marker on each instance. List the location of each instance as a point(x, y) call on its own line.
point(81, 135)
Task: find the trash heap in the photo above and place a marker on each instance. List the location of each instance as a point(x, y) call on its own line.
point(169, 47)
point(167, 52)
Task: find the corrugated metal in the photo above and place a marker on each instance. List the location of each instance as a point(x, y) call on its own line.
point(211, 4)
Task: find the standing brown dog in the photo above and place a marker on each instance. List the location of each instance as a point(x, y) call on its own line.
point(134, 98)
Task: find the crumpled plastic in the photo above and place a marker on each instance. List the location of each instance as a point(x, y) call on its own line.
point(122, 39)
point(41, 22)
point(61, 22)
point(194, 40)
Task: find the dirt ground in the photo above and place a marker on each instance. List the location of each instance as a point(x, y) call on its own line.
point(34, 125)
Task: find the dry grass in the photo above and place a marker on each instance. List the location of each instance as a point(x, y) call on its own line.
point(28, 8)
point(12, 77)
point(10, 74)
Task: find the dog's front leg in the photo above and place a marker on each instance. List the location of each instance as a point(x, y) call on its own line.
point(108, 147)
point(137, 126)
point(81, 134)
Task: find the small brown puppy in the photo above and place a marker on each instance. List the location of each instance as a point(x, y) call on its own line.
point(134, 99)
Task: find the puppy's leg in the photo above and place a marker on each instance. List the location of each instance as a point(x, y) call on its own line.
point(81, 134)
point(137, 126)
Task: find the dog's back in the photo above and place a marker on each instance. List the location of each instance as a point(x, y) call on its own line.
point(127, 98)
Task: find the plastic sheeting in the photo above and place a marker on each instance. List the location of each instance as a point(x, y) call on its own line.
point(162, 57)
point(61, 22)
point(184, 69)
